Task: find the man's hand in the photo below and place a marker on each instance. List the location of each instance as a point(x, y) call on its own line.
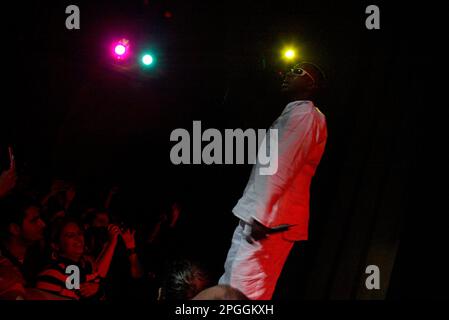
point(8, 181)
point(128, 238)
point(113, 232)
point(258, 231)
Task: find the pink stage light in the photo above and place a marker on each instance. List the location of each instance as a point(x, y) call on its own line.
point(121, 49)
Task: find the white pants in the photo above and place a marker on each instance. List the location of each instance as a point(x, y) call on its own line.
point(255, 268)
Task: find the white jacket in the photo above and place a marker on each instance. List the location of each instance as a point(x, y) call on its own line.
point(283, 198)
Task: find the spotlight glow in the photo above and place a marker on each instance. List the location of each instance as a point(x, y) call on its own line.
point(147, 59)
point(120, 49)
point(289, 54)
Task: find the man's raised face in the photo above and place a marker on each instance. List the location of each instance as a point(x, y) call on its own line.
point(298, 79)
point(32, 226)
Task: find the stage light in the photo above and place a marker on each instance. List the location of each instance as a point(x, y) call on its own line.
point(121, 49)
point(289, 54)
point(147, 59)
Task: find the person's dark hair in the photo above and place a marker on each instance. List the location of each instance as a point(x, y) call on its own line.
point(12, 210)
point(90, 214)
point(183, 280)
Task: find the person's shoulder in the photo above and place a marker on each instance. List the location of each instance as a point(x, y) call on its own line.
point(11, 280)
point(53, 267)
point(3, 260)
point(6, 263)
point(299, 111)
point(300, 107)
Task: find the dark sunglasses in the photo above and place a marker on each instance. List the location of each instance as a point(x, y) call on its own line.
point(301, 72)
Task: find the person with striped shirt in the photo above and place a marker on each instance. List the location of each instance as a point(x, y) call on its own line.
point(69, 248)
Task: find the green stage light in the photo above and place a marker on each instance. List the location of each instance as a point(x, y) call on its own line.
point(147, 59)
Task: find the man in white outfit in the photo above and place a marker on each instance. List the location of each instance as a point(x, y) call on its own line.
point(274, 209)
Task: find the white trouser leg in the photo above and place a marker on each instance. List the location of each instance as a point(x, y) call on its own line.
point(235, 244)
point(255, 268)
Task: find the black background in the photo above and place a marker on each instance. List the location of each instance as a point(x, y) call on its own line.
point(69, 112)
